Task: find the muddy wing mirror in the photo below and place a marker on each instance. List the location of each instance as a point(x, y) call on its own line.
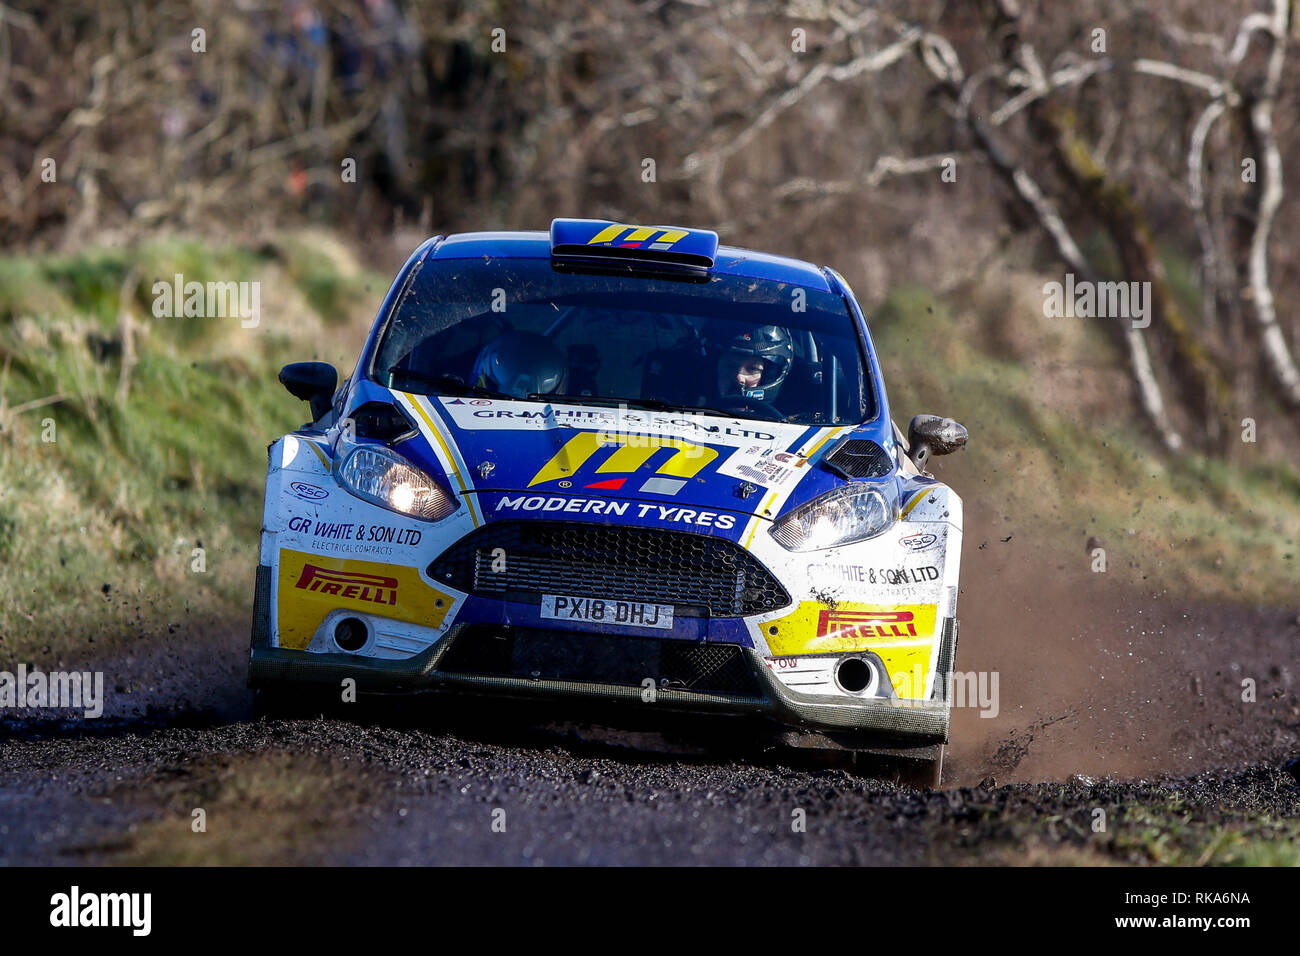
point(933, 435)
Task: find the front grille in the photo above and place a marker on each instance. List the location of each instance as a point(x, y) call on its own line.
point(528, 558)
point(538, 654)
point(861, 458)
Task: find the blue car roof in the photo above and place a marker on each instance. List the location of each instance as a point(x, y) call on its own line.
point(729, 260)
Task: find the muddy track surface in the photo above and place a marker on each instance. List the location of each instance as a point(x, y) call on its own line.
point(1113, 704)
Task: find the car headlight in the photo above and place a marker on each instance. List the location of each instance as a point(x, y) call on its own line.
point(843, 516)
point(385, 478)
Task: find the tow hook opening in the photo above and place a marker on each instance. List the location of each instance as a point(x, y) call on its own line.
point(854, 674)
point(350, 634)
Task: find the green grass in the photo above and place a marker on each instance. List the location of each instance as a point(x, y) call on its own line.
point(1170, 832)
point(1063, 473)
point(327, 279)
point(143, 469)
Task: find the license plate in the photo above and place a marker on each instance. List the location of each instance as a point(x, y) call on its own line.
point(558, 607)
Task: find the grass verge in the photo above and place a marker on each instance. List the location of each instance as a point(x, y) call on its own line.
point(133, 447)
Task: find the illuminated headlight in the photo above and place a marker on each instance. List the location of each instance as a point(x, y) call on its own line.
point(384, 477)
point(843, 516)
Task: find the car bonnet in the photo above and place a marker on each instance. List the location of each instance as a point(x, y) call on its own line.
point(532, 459)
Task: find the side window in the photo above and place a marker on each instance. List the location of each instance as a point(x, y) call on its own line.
point(454, 350)
point(451, 350)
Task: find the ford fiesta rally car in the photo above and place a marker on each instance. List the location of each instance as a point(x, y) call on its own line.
point(617, 463)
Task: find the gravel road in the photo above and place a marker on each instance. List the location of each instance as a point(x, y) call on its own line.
point(1110, 698)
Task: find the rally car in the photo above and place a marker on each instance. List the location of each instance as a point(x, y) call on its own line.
point(619, 463)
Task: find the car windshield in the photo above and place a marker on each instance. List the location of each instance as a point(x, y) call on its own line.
point(521, 328)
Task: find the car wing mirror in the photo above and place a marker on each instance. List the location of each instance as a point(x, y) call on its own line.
point(313, 382)
point(933, 435)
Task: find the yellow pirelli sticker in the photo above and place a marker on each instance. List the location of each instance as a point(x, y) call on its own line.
point(312, 585)
point(901, 635)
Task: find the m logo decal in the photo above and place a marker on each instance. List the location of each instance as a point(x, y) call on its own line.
point(630, 452)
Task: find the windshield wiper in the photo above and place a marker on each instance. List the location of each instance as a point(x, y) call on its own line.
point(447, 384)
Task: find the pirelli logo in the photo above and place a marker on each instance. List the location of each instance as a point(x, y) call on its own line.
point(866, 625)
point(373, 588)
point(903, 636)
point(637, 237)
point(312, 586)
point(894, 631)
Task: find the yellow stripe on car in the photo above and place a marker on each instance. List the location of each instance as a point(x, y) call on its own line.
point(436, 432)
point(608, 234)
point(319, 454)
point(770, 504)
point(629, 453)
point(916, 500)
point(825, 437)
point(756, 521)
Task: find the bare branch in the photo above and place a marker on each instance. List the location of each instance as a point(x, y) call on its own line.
point(886, 167)
point(1180, 74)
point(835, 73)
point(871, 63)
point(1068, 76)
point(940, 58)
point(1211, 274)
point(1278, 356)
point(1054, 225)
point(1251, 24)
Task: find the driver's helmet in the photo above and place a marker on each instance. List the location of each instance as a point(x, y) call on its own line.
point(520, 364)
point(753, 363)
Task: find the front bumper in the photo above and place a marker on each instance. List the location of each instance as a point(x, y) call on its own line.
point(762, 694)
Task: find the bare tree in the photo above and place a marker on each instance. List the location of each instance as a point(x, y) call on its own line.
point(769, 119)
point(1022, 114)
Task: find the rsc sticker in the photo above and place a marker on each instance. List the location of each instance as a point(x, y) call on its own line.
point(307, 491)
point(918, 542)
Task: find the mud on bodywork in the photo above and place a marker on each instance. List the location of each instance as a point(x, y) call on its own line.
point(637, 552)
point(892, 597)
point(888, 602)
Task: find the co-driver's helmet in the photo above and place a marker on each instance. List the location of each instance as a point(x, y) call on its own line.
point(770, 345)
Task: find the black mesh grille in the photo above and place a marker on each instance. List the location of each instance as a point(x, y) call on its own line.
point(628, 564)
point(538, 654)
point(860, 458)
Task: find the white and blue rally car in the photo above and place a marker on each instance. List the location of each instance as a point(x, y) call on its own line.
point(619, 463)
